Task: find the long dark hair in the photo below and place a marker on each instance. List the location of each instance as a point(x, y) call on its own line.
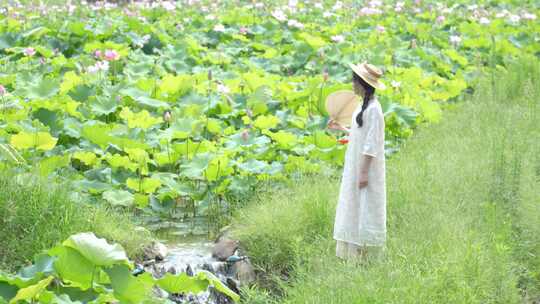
point(369, 92)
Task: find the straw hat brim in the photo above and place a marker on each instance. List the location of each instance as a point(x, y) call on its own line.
point(364, 74)
point(340, 106)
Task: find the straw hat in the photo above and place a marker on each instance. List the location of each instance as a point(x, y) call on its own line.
point(340, 106)
point(369, 73)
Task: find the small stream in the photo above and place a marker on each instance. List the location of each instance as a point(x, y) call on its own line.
point(189, 250)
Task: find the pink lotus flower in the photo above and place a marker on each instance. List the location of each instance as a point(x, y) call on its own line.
point(111, 55)
point(514, 18)
point(98, 66)
point(98, 54)
point(380, 28)
point(243, 30)
point(367, 11)
point(29, 51)
point(170, 6)
point(3, 90)
point(441, 19)
point(528, 16)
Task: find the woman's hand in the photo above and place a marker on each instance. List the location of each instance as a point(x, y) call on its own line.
point(332, 124)
point(363, 180)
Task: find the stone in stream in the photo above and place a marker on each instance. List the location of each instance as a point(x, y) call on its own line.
point(224, 248)
point(243, 272)
point(155, 251)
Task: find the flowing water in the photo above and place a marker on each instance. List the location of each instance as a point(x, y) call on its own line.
point(189, 250)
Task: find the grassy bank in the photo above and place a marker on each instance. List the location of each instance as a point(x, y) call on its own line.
point(463, 214)
point(35, 216)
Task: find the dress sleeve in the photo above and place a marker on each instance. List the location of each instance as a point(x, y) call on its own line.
point(373, 136)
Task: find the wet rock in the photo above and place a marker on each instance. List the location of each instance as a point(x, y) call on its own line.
point(233, 284)
point(224, 248)
point(155, 251)
point(244, 272)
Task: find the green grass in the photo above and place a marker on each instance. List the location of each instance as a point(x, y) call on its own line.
point(35, 216)
point(462, 206)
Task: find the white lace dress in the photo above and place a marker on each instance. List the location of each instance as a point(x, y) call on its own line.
point(361, 213)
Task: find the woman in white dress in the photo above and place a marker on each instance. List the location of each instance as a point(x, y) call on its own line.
point(361, 211)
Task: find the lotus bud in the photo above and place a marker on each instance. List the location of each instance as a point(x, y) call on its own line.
point(413, 44)
point(3, 90)
point(325, 75)
point(245, 135)
point(167, 116)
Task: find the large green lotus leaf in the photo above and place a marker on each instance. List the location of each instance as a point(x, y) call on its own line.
point(7, 291)
point(176, 85)
point(146, 185)
point(284, 139)
point(38, 140)
point(72, 267)
point(266, 121)
point(49, 164)
point(404, 115)
point(31, 292)
point(43, 264)
point(84, 296)
point(143, 98)
point(128, 288)
point(119, 197)
point(92, 186)
point(120, 161)
point(17, 280)
point(88, 158)
point(96, 250)
point(195, 168)
point(182, 283)
point(142, 119)
point(320, 139)
point(151, 102)
point(254, 166)
point(7, 40)
point(249, 140)
point(314, 41)
point(189, 148)
point(40, 89)
point(69, 81)
point(218, 167)
point(103, 105)
point(97, 133)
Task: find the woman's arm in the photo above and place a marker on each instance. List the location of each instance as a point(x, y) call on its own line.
point(370, 146)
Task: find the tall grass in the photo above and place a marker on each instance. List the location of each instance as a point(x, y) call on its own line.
point(34, 216)
point(463, 214)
